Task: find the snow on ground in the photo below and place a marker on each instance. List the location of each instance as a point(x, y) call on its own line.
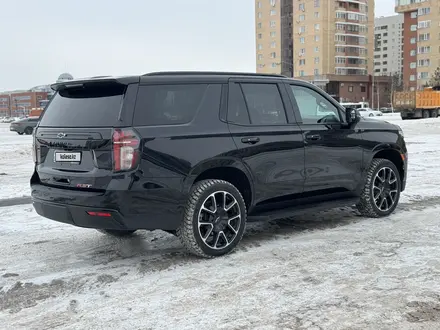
point(15, 163)
point(329, 270)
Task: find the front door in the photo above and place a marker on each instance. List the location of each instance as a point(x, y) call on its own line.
point(269, 141)
point(333, 151)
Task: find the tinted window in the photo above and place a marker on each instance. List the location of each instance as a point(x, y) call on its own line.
point(90, 106)
point(33, 119)
point(168, 104)
point(313, 107)
point(264, 104)
point(237, 111)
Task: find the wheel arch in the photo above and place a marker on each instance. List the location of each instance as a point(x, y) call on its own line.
point(228, 170)
point(394, 155)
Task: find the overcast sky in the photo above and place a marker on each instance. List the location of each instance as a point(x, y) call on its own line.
point(43, 38)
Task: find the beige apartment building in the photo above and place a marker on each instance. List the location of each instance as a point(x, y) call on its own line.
point(327, 42)
point(421, 40)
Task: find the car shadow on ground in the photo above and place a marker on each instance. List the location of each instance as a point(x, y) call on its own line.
point(157, 251)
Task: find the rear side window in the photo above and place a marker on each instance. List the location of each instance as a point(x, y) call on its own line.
point(88, 106)
point(168, 104)
point(255, 104)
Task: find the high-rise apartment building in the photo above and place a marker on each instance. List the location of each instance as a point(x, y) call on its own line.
point(421, 40)
point(388, 52)
point(331, 43)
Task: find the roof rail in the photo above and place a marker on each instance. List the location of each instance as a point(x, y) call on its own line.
point(214, 73)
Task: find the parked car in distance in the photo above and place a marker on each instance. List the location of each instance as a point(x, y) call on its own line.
point(7, 120)
point(368, 112)
point(386, 110)
point(199, 154)
point(24, 126)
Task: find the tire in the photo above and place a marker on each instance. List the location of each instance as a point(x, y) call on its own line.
point(425, 114)
point(28, 130)
point(371, 115)
point(206, 239)
point(117, 233)
point(367, 205)
point(433, 114)
point(20, 133)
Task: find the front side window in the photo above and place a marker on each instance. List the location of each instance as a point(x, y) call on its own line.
point(313, 107)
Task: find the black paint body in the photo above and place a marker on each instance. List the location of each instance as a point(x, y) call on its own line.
point(291, 166)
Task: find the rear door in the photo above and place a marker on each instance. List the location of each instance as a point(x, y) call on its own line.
point(268, 139)
point(74, 137)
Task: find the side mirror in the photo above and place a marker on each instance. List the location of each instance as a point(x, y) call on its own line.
point(352, 116)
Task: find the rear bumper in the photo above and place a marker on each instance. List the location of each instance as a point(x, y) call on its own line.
point(127, 210)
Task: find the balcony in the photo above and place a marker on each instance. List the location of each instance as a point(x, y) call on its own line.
point(403, 6)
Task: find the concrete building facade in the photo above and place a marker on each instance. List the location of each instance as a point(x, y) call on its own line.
point(388, 52)
point(331, 44)
point(421, 40)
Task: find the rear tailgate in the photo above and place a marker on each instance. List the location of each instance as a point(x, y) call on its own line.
point(73, 140)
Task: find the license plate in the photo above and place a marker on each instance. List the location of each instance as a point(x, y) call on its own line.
point(74, 157)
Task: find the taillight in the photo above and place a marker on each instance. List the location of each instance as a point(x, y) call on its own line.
point(125, 150)
point(34, 150)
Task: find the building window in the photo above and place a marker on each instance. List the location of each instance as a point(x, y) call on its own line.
point(302, 7)
point(260, 66)
point(316, 60)
point(350, 89)
point(273, 55)
point(302, 51)
point(316, 26)
point(273, 34)
point(412, 53)
point(413, 27)
point(274, 65)
point(424, 24)
point(424, 37)
point(413, 40)
point(316, 38)
point(316, 72)
point(302, 62)
point(259, 4)
point(273, 44)
point(363, 89)
point(260, 25)
point(316, 14)
point(302, 29)
point(414, 14)
point(302, 40)
point(273, 3)
point(260, 46)
point(302, 73)
point(272, 24)
point(413, 65)
point(260, 36)
point(424, 11)
point(316, 49)
point(273, 12)
point(302, 17)
point(316, 3)
point(260, 57)
point(260, 15)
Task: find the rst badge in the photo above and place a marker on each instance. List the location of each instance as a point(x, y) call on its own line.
point(83, 185)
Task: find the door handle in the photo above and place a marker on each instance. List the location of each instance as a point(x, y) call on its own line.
point(313, 137)
point(250, 140)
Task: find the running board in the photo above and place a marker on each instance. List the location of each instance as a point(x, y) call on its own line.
point(302, 209)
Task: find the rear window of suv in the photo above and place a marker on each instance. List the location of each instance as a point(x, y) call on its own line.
point(88, 106)
point(168, 104)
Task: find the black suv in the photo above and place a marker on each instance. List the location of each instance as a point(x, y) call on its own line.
point(199, 154)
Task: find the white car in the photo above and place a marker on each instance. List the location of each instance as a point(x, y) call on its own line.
point(368, 112)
